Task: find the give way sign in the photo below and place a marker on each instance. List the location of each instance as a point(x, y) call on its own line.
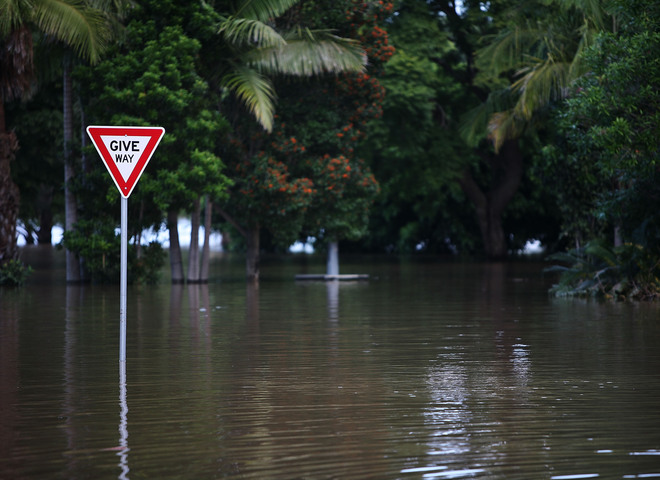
point(125, 151)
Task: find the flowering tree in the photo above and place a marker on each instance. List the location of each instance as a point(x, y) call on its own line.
point(305, 179)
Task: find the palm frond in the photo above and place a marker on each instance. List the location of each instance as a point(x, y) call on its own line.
point(544, 58)
point(308, 53)
point(243, 31)
point(503, 126)
point(75, 24)
point(542, 81)
point(263, 10)
point(255, 91)
point(476, 123)
point(13, 13)
point(592, 10)
point(507, 49)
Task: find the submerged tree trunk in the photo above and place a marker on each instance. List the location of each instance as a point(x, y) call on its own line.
point(45, 203)
point(489, 207)
point(193, 252)
point(70, 204)
point(16, 62)
point(252, 256)
point(251, 235)
point(332, 267)
point(9, 194)
point(176, 262)
point(206, 249)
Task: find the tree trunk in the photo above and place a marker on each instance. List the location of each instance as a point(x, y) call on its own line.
point(70, 204)
point(489, 207)
point(252, 256)
point(206, 250)
point(176, 262)
point(45, 203)
point(193, 256)
point(9, 194)
point(332, 267)
point(618, 237)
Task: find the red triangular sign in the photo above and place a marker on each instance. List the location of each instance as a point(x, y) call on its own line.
point(125, 151)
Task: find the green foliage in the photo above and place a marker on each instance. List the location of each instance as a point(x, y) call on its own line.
point(37, 169)
point(100, 245)
point(153, 79)
point(606, 155)
point(13, 273)
point(414, 148)
point(621, 273)
point(97, 243)
point(147, 268)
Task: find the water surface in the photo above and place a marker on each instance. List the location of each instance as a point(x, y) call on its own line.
point(428, 370)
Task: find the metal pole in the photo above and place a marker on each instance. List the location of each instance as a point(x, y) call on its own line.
point(123, 279)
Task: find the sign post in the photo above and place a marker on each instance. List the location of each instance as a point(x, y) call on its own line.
point(125, 151)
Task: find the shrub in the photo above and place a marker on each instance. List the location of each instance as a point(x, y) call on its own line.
point(626, 272)
point(13, 273)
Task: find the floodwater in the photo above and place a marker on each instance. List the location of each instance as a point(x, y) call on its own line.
point(428, 370)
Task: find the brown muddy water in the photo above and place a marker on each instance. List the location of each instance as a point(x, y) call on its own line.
point(428, 370)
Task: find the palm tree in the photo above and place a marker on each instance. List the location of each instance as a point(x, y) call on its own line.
point(71, 22)
point(541, 55)
point(537, 56)
point(256, 50)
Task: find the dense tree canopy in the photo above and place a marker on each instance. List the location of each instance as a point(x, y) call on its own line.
point(74, 24)
point(399, 127)
point(606, 158)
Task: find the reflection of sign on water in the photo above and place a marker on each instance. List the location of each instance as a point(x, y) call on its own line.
point(123, 424)
point(125, 151)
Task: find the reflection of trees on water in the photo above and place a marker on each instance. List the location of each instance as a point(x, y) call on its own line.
point(479, 381)
point(196, 321)
point(9, 373)
point(74, 296)
point(298, 387)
